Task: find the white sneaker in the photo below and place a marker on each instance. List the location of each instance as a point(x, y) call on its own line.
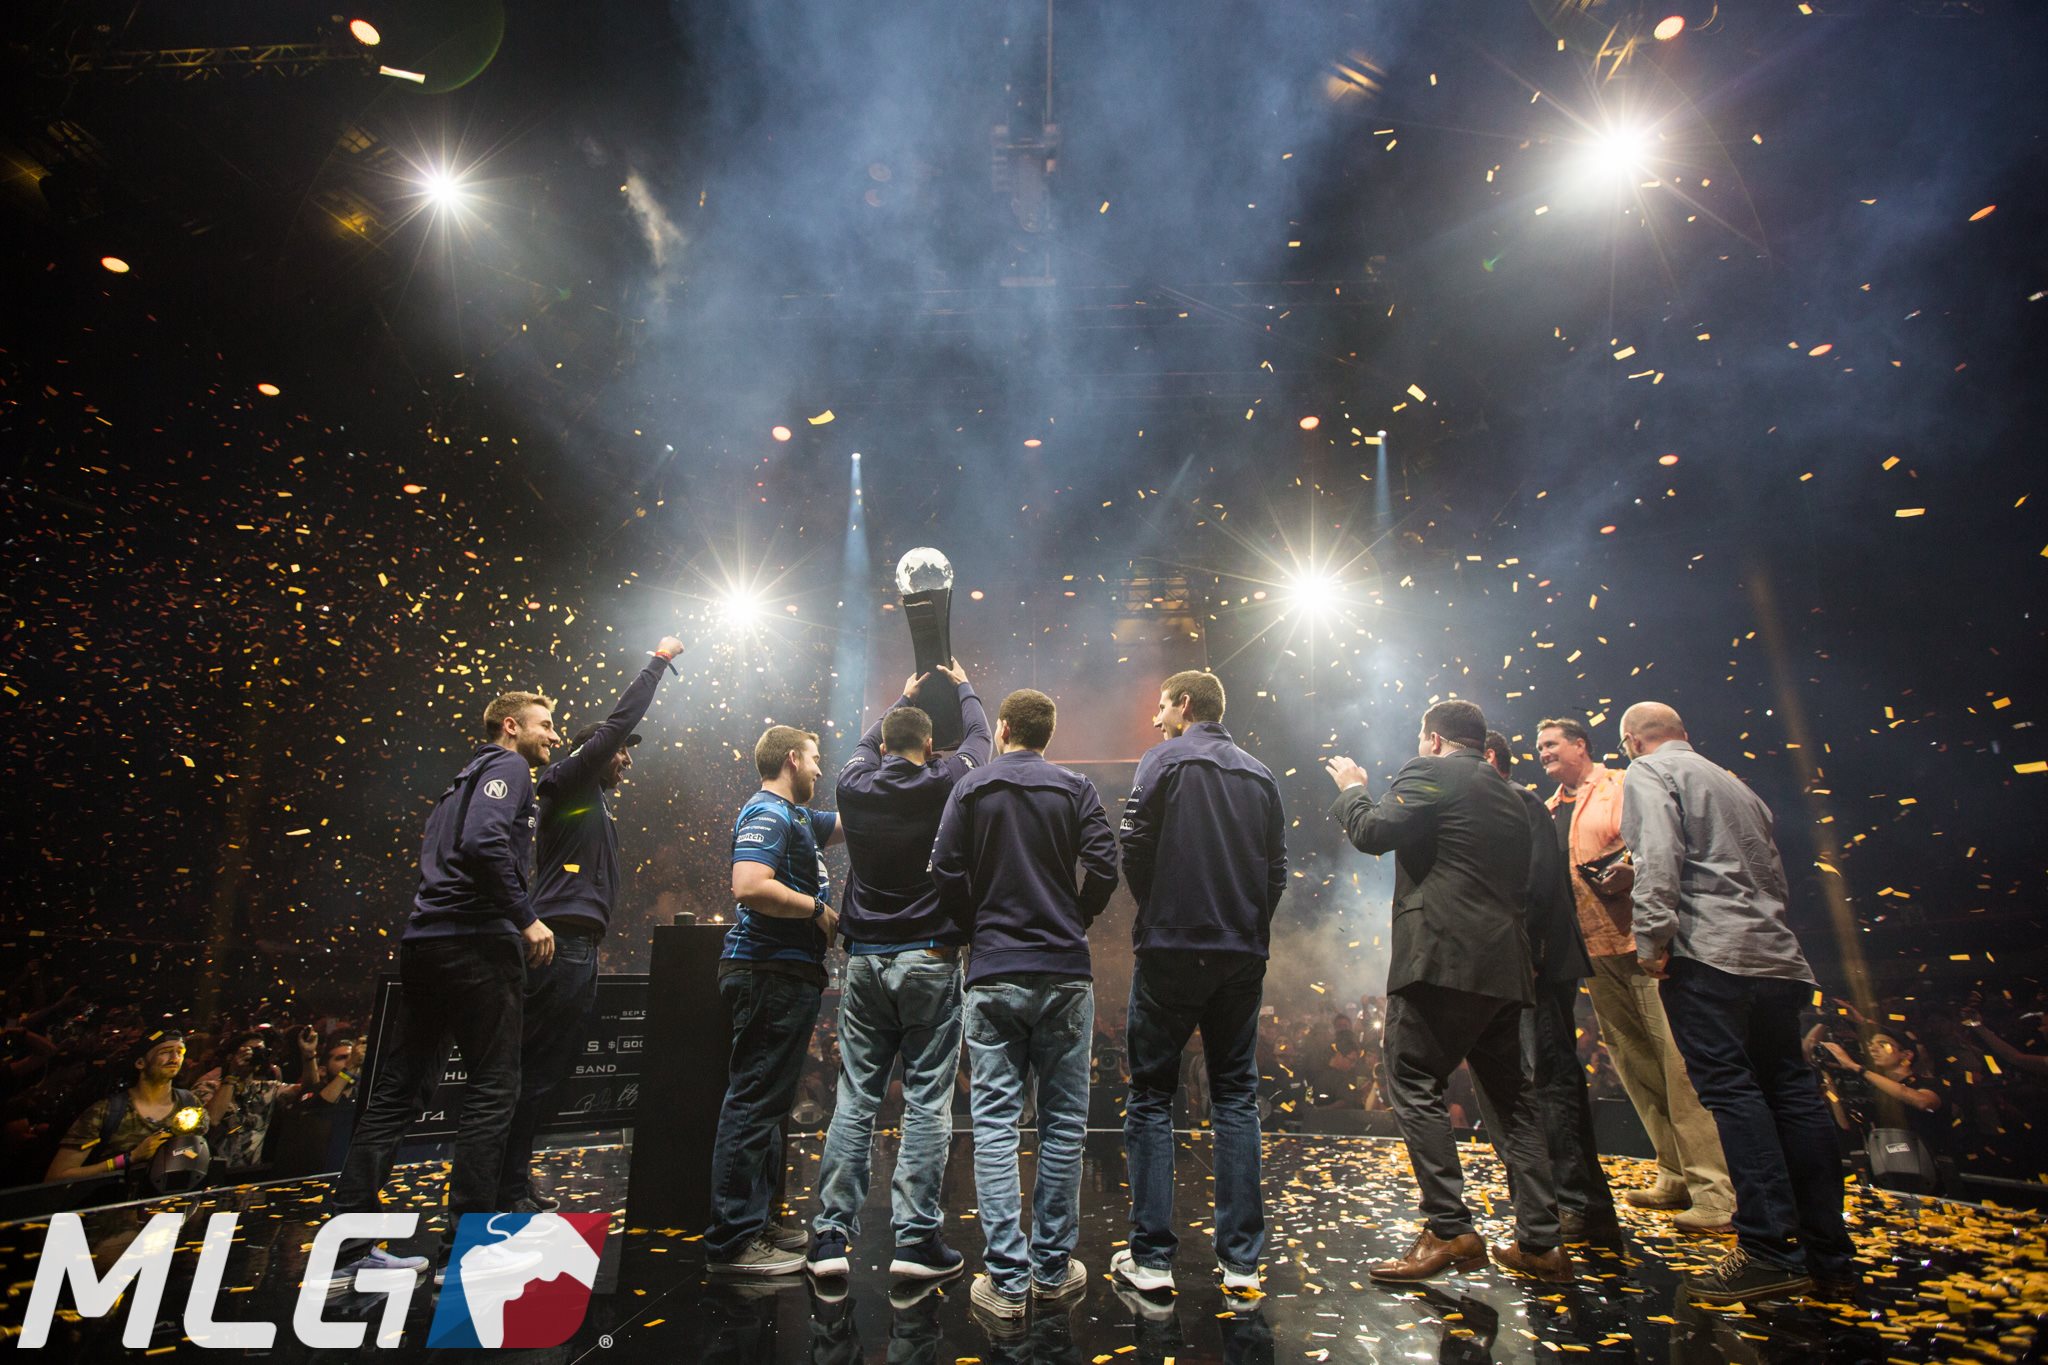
point(1239, 1281)
point(1140, 1277)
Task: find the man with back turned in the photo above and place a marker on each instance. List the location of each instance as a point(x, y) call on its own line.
point(1004, 860)
point(901, 997)
point(1457, 984)
point(1205, 853)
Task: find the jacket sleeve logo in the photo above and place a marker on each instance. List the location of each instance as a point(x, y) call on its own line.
point(496, 789)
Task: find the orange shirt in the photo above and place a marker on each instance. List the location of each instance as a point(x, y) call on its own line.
point(1596, 833)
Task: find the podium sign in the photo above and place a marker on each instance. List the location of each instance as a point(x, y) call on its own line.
point(601, 1091)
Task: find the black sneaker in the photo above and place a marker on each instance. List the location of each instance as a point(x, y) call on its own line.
point(930, 1259)
point(1738, 1278)
point(542, 1202)
point(828, 1258)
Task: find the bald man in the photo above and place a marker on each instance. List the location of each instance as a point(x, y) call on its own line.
point(1710, 925)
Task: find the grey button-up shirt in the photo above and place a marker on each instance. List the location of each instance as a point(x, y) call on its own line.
point(1709, 882)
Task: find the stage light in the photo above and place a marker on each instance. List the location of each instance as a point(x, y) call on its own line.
point(1033, 444)
point(1668, 28)
point(1316, 594)
point(416, 77)
point(1619, 152)
point(1667, 459)
point(1311, 423)
point(269, 390)
point(114, 264)
point(779, 433)
point(365, 32)
point(856, 457)
point(443, 190)
point(739, 609)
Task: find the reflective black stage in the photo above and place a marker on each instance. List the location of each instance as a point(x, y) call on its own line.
point(1947, 1282)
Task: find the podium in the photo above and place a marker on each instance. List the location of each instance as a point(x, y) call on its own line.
point(689, 1041)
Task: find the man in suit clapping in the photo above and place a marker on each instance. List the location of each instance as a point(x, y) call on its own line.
point(1457, 984)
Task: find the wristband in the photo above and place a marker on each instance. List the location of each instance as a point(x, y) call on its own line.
point(818, 909)
point(346, 1077)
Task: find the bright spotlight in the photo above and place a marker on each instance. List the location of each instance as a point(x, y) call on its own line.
point(1311, 422)
point(114, 264)
point(856, 457)
point(1315, 594)
point(365, 32)
point(1669, 27)
point(779, 433)
point(1619, 152)
point(739, 609)
point(443, 190)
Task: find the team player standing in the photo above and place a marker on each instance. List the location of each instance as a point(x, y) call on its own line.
point(996, 854)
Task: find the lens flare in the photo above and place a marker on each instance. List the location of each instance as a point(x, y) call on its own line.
point(1315, 594)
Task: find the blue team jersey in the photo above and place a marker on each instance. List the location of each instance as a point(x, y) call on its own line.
point(785, 837)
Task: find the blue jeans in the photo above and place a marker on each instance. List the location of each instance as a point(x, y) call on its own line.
point(1044, 1023)
point(468, 990)
point(561, 1002)
point(1739, 1036)
point(1172, 994)
point(772, 1017)
point(903, 1004)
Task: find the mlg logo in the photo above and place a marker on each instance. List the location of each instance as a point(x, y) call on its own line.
point(514, 1280)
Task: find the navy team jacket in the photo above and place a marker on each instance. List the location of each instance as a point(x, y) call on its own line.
point(474, 855)
point(578, 878)
point(1204, 845)
point(890, 807)
point(1004, 865)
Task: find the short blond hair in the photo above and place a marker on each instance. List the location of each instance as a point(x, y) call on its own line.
point(773, 749)
point(507, 706)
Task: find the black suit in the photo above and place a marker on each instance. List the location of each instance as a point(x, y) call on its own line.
point(1460, 975)
point(1461, 862)
point(1550, 1029)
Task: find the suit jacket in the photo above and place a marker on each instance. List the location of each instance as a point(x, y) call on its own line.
point(1556, 947)
point(1461, 839)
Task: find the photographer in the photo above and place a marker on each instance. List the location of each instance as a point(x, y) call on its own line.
point(123, 1131)
point(1883, 1092)
point(243, 1093)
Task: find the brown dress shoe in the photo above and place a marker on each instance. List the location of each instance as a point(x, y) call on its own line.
point(1553, 1265)
point(1431, 1255)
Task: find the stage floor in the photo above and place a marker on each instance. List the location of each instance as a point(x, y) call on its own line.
point(1947, 1282)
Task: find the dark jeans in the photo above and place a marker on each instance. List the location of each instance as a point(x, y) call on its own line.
point(561, 1003)
point(1172, 994)
point(467, 989)
point(772, 1018)
point(1430, 1029)
point(1550, 1046)
point(1740, 1039)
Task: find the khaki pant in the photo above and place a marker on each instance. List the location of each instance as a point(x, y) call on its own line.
point(1631, 1016)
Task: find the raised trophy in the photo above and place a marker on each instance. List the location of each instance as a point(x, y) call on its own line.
point(925, 579)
